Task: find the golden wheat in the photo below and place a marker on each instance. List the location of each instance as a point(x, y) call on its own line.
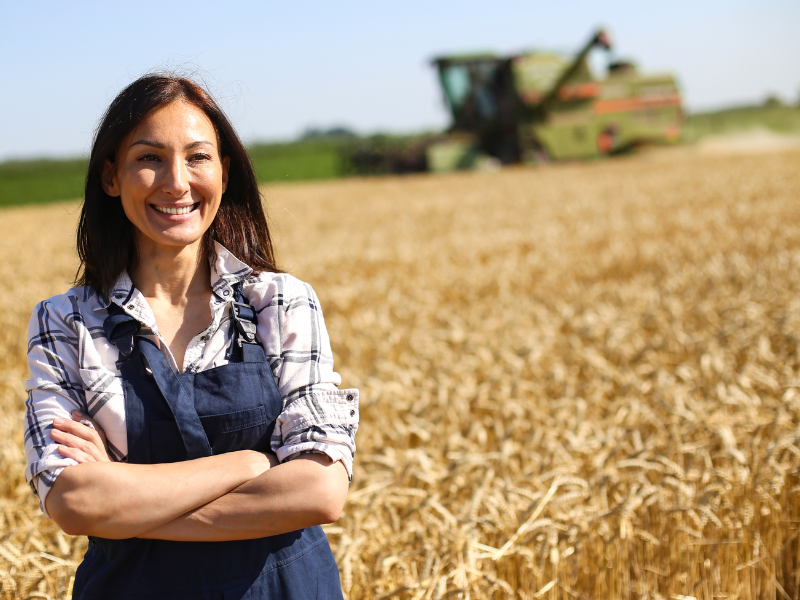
point(578, 382)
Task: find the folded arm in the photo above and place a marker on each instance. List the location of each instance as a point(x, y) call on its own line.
point(239, 495)
point(309, 490)
point(118, 500)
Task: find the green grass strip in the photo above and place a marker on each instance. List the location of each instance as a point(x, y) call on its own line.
point(780, 119)
point(39, 181)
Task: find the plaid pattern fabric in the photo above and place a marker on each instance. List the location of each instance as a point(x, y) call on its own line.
point(72, 366)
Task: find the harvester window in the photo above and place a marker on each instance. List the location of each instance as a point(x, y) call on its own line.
point(456, 82)
point(485, 84)
point(485, 102)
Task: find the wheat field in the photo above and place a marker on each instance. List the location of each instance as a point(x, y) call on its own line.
point(578, 381)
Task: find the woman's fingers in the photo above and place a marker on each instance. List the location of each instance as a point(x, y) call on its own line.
point(83, 436)
point(89, 423)
point(70, 446)
point(76, 428)
point(78, 455)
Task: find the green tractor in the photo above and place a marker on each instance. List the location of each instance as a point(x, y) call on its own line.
point(535, 107)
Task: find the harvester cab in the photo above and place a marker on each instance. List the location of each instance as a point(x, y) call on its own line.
point(478, 91)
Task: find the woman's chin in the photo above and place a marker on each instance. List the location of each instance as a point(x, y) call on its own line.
point(168, 241)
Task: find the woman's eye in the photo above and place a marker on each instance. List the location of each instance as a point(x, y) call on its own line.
point(199, 157)
point(147, 158)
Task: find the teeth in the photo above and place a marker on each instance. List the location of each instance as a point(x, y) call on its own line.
point(174, 211)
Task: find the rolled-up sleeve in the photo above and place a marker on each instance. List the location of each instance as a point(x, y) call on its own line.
point(54, 390)
point(321, 420)
point(316, 416)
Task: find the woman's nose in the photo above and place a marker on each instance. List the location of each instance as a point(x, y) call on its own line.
point(176, 178)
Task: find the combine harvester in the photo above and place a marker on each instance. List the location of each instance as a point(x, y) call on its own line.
point(535, 107)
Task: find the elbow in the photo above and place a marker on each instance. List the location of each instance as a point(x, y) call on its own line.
point(66, 514)
point(71, 525)
point(330, 511)
point(68, 505)
point(332, 495)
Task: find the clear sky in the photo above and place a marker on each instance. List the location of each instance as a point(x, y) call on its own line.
point(279, 67)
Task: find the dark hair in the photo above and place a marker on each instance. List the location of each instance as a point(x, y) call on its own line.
point(105, 238)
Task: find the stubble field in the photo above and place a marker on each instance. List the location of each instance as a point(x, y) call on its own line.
point(578, 381)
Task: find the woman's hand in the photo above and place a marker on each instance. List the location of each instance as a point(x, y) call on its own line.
point(81, 439)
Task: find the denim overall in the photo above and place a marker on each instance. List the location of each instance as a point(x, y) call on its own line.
point(181, 416)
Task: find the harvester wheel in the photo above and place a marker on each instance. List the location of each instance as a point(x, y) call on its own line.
point(538, 154)
point(605, 142)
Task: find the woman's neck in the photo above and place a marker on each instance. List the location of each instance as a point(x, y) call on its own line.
point(171, 275)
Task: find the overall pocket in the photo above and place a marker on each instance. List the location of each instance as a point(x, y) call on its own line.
point(240, 430)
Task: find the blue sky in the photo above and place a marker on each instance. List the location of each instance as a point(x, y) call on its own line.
point(278, 68)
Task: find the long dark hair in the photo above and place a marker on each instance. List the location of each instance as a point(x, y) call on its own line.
point(105, 238)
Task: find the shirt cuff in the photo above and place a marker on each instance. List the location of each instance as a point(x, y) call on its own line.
point(42, 474)
point(322, 421)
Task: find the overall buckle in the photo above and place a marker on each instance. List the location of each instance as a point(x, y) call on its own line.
point(245, 327)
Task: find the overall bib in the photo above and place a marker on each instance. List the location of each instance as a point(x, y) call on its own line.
point(181, 416)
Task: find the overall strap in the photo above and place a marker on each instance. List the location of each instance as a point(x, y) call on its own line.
point(244, 345)
point(121, 329)
point(180, 403)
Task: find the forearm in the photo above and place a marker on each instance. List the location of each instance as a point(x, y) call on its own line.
point(309, 490)
point(116, 500)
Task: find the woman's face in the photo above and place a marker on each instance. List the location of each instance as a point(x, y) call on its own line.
point(170, 177)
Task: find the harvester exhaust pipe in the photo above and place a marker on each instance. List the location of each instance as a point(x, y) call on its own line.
point(602, 39)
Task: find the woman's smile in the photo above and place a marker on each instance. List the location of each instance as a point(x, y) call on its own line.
point(176, 210)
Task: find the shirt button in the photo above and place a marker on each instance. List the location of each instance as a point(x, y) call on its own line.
point(352, 412)
point(350, 397)
point(226, 292)
point(131, 307)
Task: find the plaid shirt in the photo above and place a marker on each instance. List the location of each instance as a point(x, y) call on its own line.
point(72, 366)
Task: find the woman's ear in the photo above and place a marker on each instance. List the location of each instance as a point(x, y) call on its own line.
point(226, 163)
point(109, 179)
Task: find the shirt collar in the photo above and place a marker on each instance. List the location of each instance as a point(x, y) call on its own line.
point(122, 292)
point(226, 272)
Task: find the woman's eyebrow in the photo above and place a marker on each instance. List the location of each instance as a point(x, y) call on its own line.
point(162, 146)
point(148, 143)
point(198, 143)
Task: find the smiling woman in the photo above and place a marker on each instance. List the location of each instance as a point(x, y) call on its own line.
point(162, 411)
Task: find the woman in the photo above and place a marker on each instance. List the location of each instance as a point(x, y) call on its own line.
point(183, 411)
